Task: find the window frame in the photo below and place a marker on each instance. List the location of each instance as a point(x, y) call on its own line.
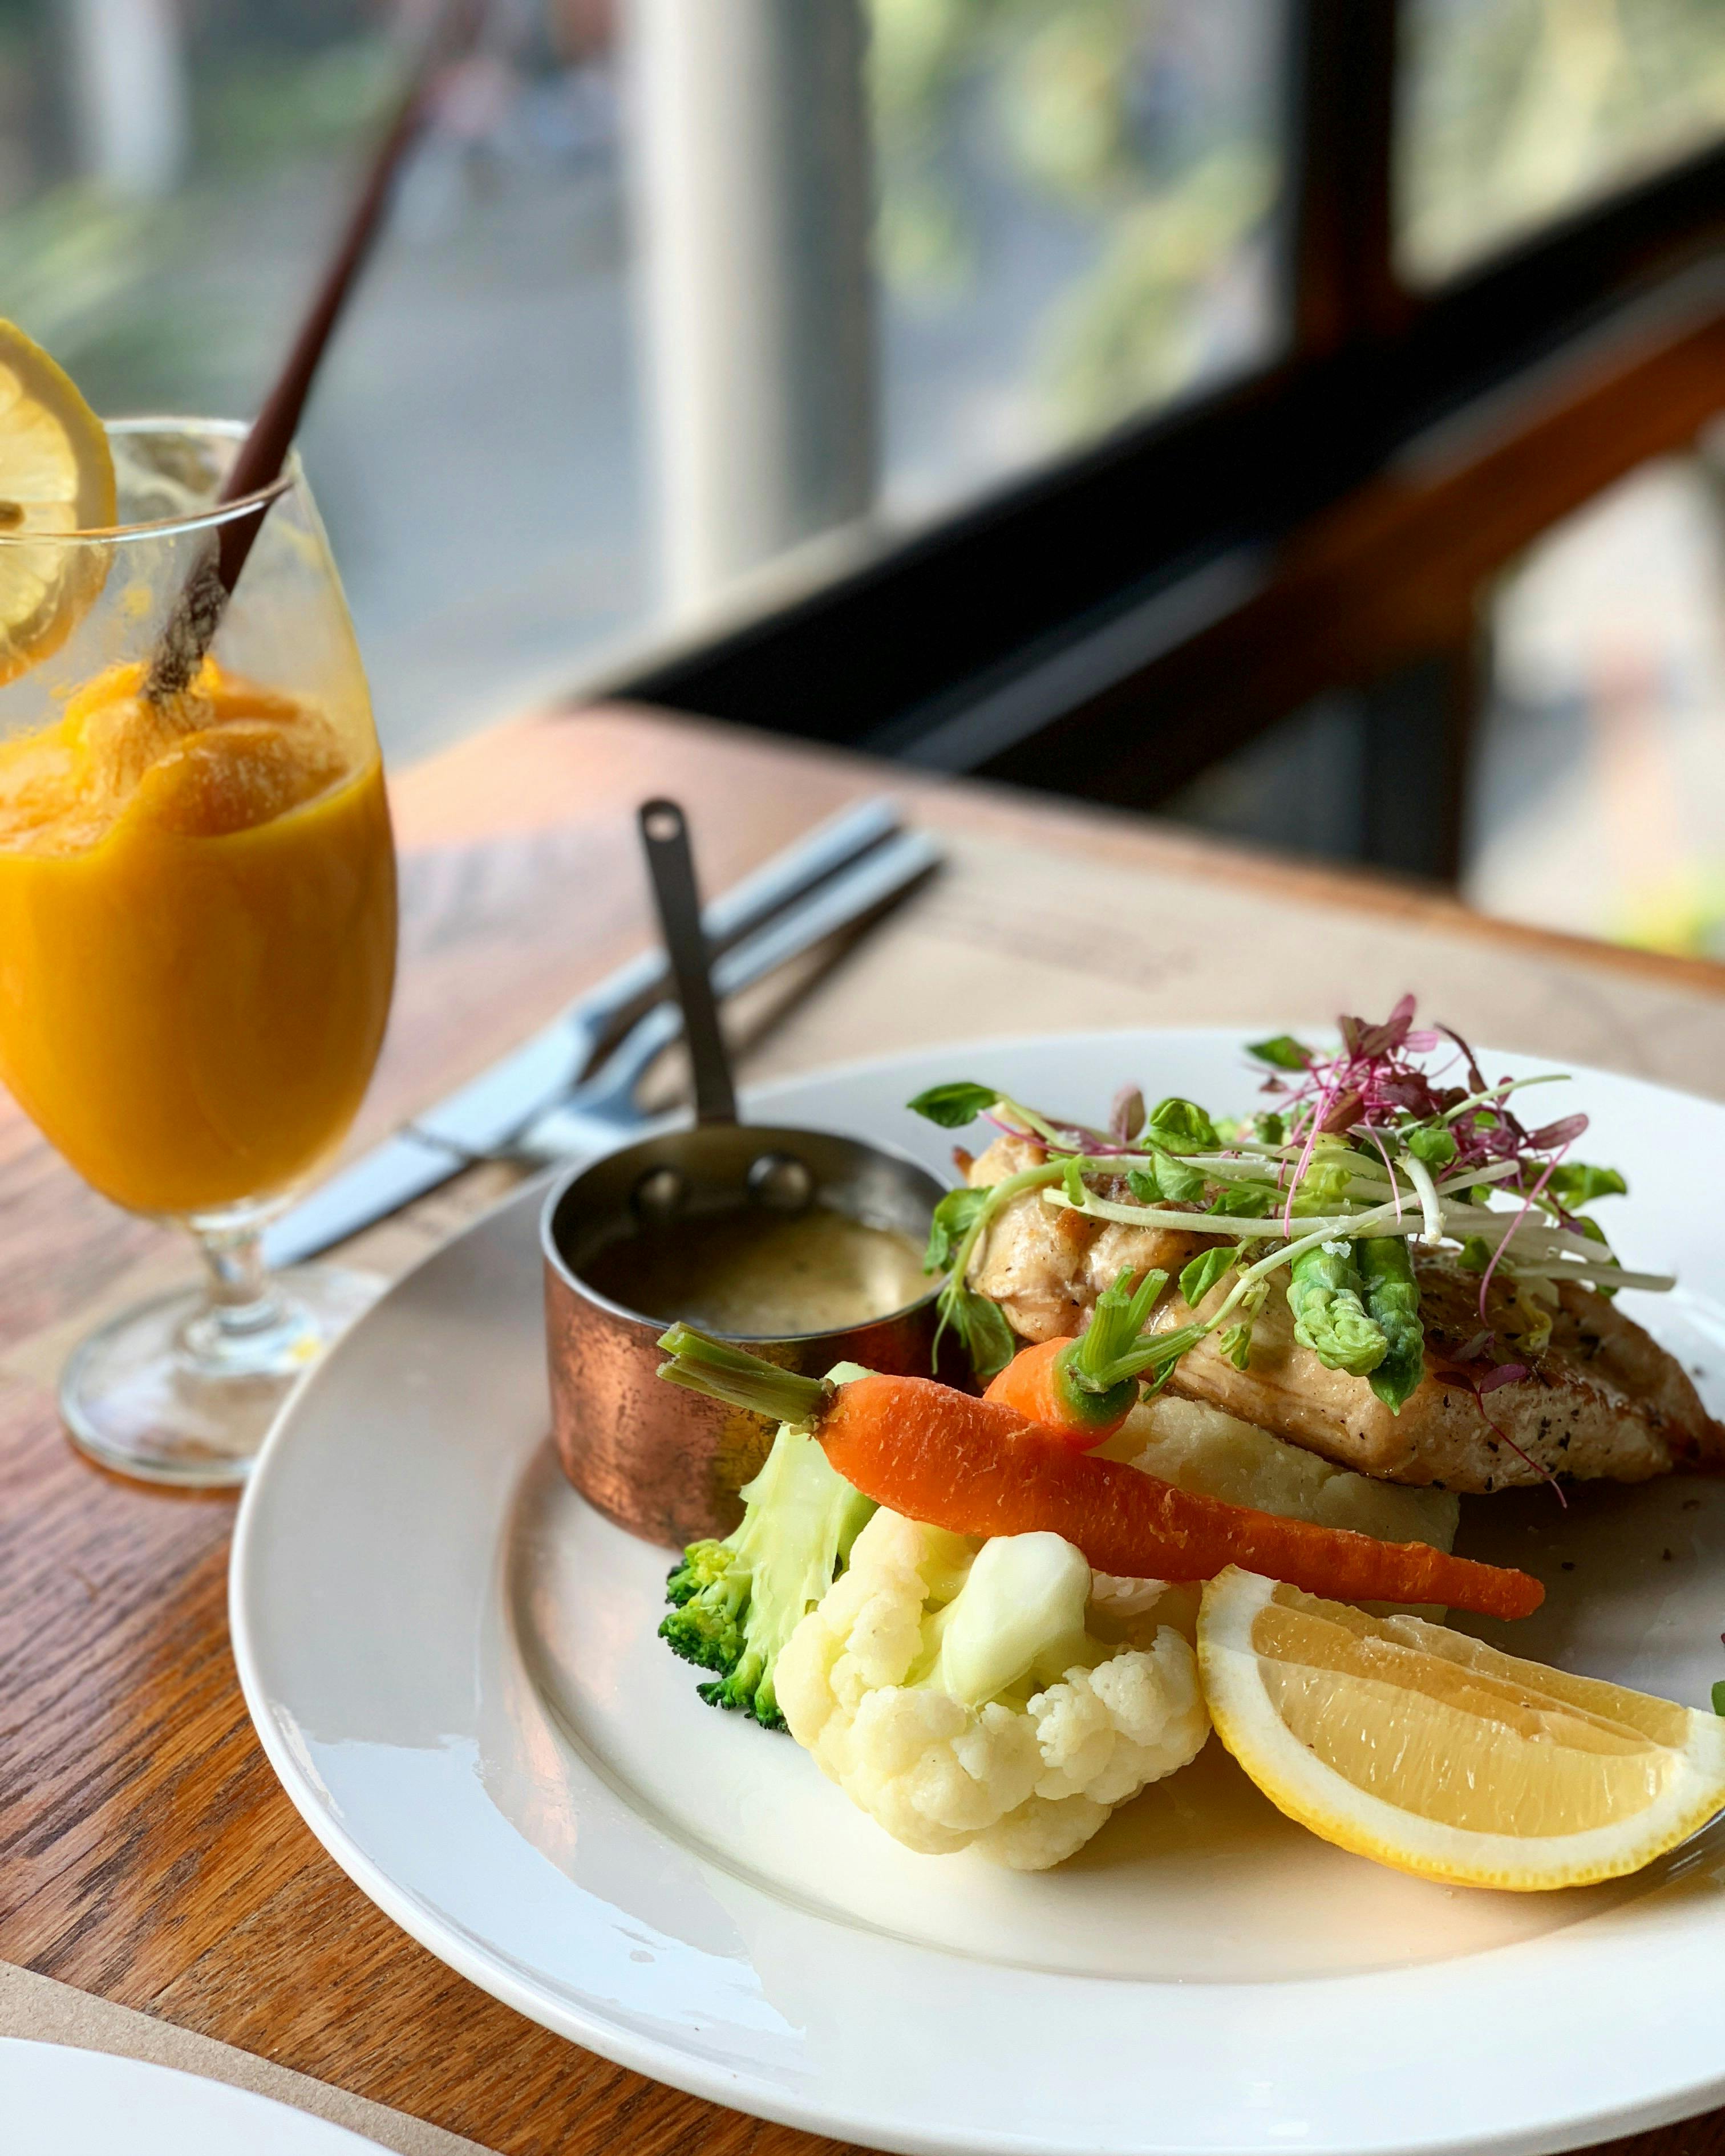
point(1083, 578)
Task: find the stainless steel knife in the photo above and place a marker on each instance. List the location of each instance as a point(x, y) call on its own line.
point(602, 1113)
point(530, 1103)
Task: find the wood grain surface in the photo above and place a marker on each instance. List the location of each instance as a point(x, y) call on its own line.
point(146, 1854)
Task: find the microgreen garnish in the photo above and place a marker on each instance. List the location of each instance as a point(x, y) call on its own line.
point(953, 1106)
point(1572, 1184)
point(1284, 1053)
point(982, 1326)
point(1434, 1145)
point(1394, 1137)
point(1127, 1117)
point(1244, 1201)
point(1205, 1270)
point(1179, 1184)
point(1181, 1126)
point(956, 1212)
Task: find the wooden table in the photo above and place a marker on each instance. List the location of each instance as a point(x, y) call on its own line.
point(147, 1853)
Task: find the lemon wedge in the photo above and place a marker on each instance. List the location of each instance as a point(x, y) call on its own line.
point(56, 476)
point(1433, 1752)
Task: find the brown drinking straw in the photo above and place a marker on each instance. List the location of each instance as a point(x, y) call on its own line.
point(190, 627)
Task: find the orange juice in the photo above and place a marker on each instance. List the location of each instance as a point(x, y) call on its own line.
point(197, 936)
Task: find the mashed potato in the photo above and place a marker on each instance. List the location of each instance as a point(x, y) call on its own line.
point(1213, 1454)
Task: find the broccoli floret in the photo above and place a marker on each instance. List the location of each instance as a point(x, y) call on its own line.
point(707, 1596)
point(735, 1603)
point(699, 1566)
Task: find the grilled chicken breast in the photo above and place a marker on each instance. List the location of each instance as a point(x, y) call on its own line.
point(1045, 1267)
point(1601, 1400)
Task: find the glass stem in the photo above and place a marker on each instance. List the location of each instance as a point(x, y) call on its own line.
point(243, 1299)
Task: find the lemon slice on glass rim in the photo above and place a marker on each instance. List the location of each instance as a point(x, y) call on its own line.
point(1437, 1754)
point(56, 476)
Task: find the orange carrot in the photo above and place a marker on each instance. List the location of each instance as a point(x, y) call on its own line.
point(1038, 1382)
point(1085, 1388)
point(980, 1467)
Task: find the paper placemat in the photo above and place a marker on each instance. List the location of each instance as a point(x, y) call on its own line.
point(50, 2013)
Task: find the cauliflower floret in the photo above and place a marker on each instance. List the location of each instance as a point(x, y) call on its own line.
point(959, 1692)
point(1126, 1600)
point(1109, 1731)
point(1122, 1606)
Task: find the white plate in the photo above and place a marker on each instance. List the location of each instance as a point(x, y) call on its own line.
point(452, 1665)
point(60, 2101)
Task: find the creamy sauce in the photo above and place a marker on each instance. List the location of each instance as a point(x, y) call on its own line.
point(759, 1273)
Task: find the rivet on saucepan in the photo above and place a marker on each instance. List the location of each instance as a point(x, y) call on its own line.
point(781, 1181)
point(660, 1195)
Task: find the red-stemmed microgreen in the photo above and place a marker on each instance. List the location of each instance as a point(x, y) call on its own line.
point(1379, 1138)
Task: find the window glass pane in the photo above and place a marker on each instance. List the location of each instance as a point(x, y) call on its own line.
point(1076, 201)
point(473, 440)
point(1514, 112)
point(607, 366)
point(1598, 779)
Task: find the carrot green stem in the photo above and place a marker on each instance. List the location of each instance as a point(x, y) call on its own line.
point(740, 1379)
point(1113, 1347)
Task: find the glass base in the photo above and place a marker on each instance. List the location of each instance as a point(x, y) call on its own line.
point(171, 1393)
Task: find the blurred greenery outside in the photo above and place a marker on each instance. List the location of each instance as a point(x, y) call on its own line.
point(90, 273)
point(1076, 198)
point(1515, 110)
point(1512, 109)
point(1076, 99)
point(1051, 92)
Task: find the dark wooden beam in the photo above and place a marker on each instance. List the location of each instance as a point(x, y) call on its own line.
point(1344, 293)
point(1393, 574)
point(893, 648)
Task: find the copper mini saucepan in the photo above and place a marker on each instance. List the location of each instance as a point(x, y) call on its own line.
point(665, 1463)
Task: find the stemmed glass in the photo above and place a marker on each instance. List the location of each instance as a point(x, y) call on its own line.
point(197, 925)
